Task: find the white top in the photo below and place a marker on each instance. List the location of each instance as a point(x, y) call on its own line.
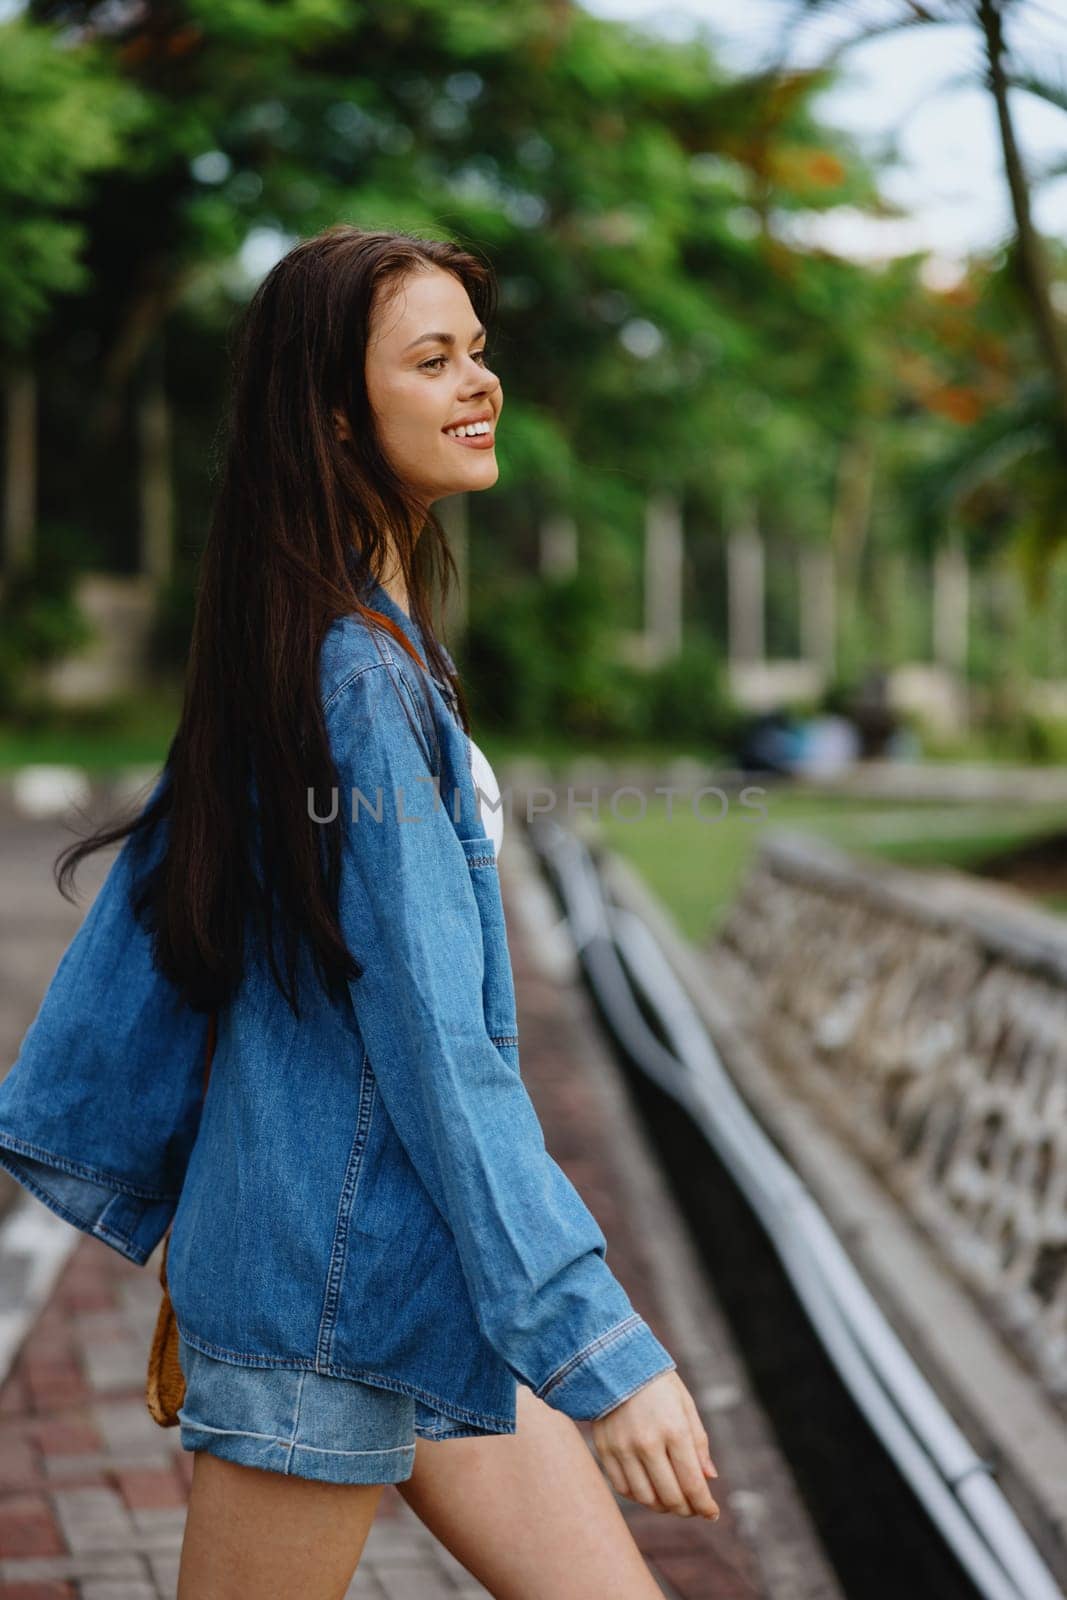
point(488, 792)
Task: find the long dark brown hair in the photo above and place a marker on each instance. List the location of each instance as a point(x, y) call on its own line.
point(300, 520)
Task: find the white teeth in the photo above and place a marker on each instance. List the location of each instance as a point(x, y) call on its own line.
point(469, 430)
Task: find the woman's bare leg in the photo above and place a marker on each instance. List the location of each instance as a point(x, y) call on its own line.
point(251, 1534)
point(530, 1514)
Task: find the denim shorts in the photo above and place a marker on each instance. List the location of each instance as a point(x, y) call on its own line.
point(303, 1423)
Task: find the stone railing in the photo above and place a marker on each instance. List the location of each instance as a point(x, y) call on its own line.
point(925, 1016)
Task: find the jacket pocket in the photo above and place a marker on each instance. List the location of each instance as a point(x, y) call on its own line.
point(498, 986)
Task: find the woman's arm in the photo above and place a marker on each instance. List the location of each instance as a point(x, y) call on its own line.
point(532, 1253)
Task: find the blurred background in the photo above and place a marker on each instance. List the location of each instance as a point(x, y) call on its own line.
point(781, 518)
point(783, 294)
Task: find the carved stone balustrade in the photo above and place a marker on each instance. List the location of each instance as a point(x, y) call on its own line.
point(924, 1014)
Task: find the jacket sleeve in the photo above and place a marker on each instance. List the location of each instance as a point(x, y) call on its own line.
point(99, 1113)
point(532, 1253)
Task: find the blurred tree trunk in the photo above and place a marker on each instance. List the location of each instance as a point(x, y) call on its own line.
point(1032, 265)
point(951, 604)
point(141, 327)
point(663, 575)
point(558, 547)
point(20, 469)
point(890, 602)
point(849, 518)
point(817, 597)
point(745, 586)
point(156, 478)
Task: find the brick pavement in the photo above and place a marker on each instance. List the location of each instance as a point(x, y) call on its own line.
point(92, 1491)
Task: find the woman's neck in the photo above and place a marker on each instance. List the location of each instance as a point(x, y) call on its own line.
point(392, 581)
point(394, 588)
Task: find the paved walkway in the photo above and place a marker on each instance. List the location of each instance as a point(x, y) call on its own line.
point(92, 1492)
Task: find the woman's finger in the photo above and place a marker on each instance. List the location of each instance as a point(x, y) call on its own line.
point(660, 1469)
point(641, 1487)
point(700, 1436)
point(615, 1474)
point(687, 1469)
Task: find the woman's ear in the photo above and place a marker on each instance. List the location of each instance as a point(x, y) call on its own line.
point(341, 429)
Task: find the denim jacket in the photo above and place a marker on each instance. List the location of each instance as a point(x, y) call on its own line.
point(366, 1193)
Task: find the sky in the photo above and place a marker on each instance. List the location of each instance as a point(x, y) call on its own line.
point(950, 177)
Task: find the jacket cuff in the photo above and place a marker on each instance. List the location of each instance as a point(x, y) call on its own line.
point(608, 1371)
point(93, 1201)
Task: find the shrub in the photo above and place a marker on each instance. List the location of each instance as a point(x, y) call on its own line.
point(686, 698)
point(167, 647)
point(539, 658)
point(40, 622)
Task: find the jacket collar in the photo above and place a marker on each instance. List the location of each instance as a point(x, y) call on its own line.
point(376, 597)
point(378, 600)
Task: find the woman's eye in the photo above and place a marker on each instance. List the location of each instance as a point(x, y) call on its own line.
point(433, 362)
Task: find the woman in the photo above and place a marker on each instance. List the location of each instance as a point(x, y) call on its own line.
point(379, 1273)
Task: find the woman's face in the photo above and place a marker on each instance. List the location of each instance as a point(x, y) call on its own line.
point(426, 372)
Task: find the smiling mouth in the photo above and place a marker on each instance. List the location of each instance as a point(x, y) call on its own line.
point(474, 441)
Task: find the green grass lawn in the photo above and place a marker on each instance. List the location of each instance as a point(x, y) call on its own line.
point(136, 733)
point(696, 867)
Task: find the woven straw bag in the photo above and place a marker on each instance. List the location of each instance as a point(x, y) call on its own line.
point(165, 1385)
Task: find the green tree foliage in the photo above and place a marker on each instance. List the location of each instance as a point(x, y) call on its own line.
point(622, 187)
point(66, 117)
point(665, 320)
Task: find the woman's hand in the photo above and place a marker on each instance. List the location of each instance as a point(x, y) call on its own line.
point(654, 1449)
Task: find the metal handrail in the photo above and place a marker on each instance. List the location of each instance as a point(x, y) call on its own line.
point(621, 959)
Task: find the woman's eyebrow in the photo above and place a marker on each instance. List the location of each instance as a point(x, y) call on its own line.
point(445, 338)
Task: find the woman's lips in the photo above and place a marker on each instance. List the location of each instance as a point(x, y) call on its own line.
point(475, 441)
